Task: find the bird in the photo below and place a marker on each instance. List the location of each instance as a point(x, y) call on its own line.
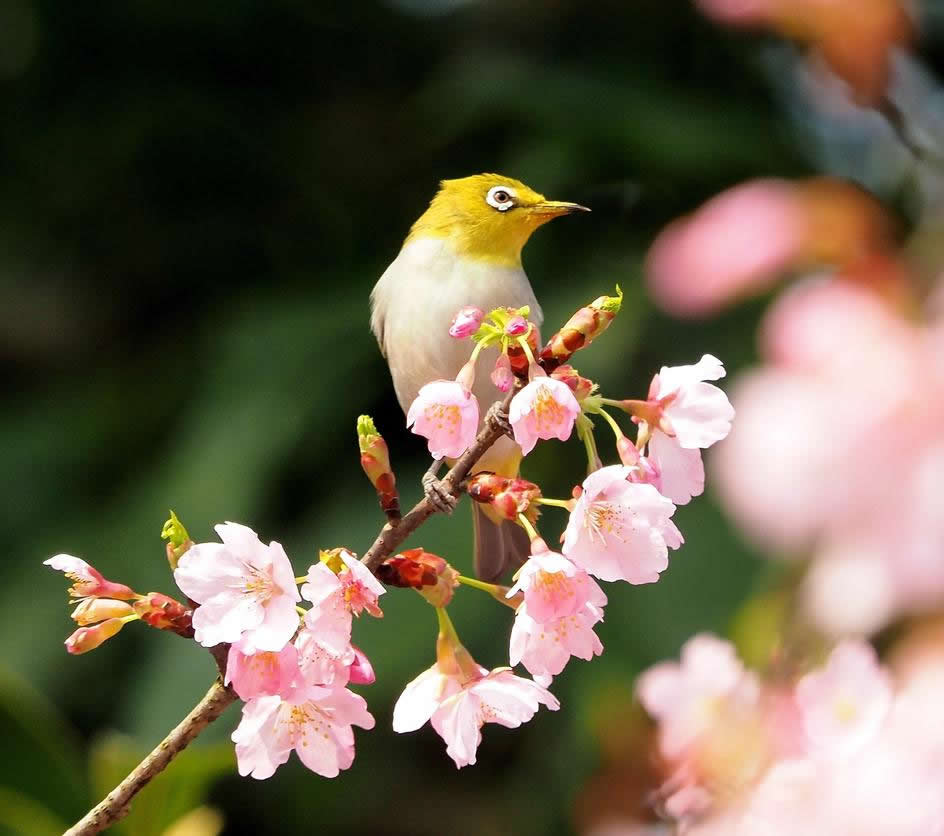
point(464, 250)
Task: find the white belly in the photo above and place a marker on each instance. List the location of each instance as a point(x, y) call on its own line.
point(414, 303)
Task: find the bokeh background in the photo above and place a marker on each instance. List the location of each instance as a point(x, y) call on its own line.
point(195, 200)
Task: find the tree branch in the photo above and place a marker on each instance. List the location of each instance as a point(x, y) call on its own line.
point(115, 805)
point(391, 536)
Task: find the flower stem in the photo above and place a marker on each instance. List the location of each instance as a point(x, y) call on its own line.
point(527, 350)
point(585, 431)
point(490, 588)
point(526, 525)
point(612, 422)
point(302, 579)
point(557, 503)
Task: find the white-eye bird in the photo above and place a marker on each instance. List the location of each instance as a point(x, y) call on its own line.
point(465, 249)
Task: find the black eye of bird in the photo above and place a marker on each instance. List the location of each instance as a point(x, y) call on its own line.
point(502, 197)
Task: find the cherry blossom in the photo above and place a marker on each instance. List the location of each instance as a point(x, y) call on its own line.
point(688, 697)
point(245, 589)
point(620, 530)
point(545, 408)
point(679, 473)
point(457, 706)
point(261, 673)
point(446, 413)
point(87, 581)
point(544, 648)
point(315, 722)
point(844, 704)
point(695, 413)
point(554, 587)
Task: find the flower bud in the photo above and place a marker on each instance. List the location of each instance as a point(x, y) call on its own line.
point(361, 670)
point(466, 322)
point(164, 613)
point(423, 571)
point(582, 387)
point(92, 610)
point(178, 540)
point(517, 326)
point(502, 375)
point(508, 497)
point(520, 364)
point(88, 638)
point(580, 330)
point(375, 460)
point(87, 581)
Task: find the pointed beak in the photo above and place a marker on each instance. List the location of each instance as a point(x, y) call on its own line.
point(553, 208)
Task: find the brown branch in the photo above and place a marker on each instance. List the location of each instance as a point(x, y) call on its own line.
point(391, 537)
point(116, 805)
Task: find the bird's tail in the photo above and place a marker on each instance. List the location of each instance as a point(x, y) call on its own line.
point(499, 545)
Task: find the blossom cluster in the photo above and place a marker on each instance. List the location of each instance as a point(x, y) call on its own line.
point(294, 666)
point(844, 749)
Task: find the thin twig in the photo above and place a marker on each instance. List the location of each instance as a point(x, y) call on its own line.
point(116, 805)
point(391, 537)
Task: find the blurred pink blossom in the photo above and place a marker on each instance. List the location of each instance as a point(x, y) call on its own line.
point(736, 244)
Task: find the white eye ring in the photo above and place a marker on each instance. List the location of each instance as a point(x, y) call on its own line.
point(501, 198)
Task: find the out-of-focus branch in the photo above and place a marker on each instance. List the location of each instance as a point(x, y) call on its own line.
point(115, 805)
point(391, 537)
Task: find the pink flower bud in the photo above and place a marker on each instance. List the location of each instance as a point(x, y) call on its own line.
point(362, 672)
point(466, 322)
point(88, 638)
point(501, 375)
point(517, 326)
point(93, 610)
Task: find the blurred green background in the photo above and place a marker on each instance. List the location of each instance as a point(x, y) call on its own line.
point(195, 200)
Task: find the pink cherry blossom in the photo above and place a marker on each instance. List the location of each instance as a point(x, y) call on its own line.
point(466, 322)
point(501, 375)
point(261, 673)
point(315, 722)
point(545, 647)
point(738, 243)
point(844, 704)
point(325, 652)
point(621, 530)
point(458, 707)
point(554, 587)
point(679, 473)
point(245, 590)
point(545, 408)
point(87, 581)
point(687, 698)
point(695, 413)
point(446, 413)
point(338, 596)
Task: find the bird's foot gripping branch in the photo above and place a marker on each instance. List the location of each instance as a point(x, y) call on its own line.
point(284, 642)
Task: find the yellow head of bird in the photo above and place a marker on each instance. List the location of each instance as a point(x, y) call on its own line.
point(488, 217)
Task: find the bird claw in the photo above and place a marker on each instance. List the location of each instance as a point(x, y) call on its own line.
point(498, 416)
point(437, 495)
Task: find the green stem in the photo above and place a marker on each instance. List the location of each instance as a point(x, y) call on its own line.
point(446, 627)
point(557, 503)
point(527, 350)
point(476, 352)
point(612, 422)
point(585, 431)
point(490, 588)
point(526, 525)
